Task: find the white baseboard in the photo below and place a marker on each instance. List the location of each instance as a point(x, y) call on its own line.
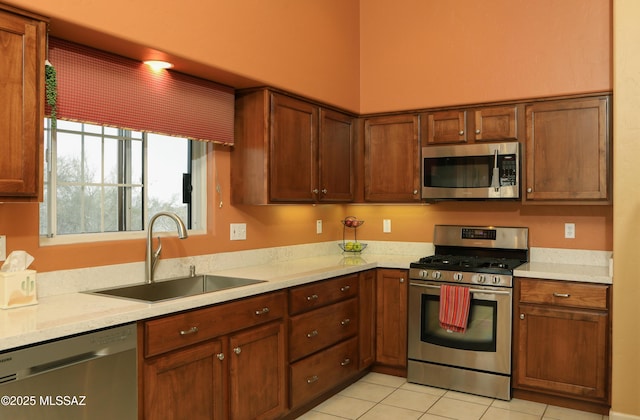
point(621, 416)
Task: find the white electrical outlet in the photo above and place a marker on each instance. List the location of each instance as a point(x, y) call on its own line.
point(570, 230)
point(3, 247)
point(238, 231)
point(318, 226)
point(386, 226)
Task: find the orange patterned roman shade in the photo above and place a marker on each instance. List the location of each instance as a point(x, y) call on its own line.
point(103, 88)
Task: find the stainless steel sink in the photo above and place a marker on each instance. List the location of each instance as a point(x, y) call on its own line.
point(176, 288)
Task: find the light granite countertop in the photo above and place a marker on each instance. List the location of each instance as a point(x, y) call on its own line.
point(72, 311)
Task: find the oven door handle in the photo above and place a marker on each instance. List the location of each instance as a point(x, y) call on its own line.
point(488, 291)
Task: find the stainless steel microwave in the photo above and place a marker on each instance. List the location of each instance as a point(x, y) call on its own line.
point(471, 171)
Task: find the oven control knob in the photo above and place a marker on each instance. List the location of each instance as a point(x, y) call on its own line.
point(457, 276)
point(436, 274)
point(495, 279)
point(424, 274)
point(481, 278)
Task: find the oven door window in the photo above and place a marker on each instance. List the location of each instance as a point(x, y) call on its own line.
point(480, 334)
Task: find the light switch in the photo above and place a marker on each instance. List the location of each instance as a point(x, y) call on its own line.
point(3, 247)
point(318, 226)
point(386, 225)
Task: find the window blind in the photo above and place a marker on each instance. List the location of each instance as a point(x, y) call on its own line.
point(98, 87)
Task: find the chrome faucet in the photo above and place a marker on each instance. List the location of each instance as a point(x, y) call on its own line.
point(152, 257)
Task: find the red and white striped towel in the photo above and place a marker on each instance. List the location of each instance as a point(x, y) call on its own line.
point(455, 302)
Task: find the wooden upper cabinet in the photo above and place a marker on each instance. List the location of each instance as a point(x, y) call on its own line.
point(491, 123)
point(444, 127)
point(288, 150)
point(335, 158)
point(392, 159)
point(22, 49)
point(498, 123)
point(568, 151)
point(293, 150)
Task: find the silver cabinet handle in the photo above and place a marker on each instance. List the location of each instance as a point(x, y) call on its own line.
point(237, 350)
point(345, 322)
point(191, 330)
point(315, 191)
point(415, 192)
point(461, 132)
point(312, 334)
point(345, 362)
point(262, 311)
point(345, 288)
point(521, 316)
point(220, 356)
point(477, 131)
point(561, 295)
point(401, 279)
point(529, 189)
point(312, 297)
point(312, 379)
point(324, 191)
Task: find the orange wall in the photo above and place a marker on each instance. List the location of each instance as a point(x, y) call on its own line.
point(419, 54)
point(325, 50)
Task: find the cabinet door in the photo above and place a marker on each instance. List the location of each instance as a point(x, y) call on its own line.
point(567, 150)
point(335, 157)
point(201, 367)
point(445, 127)
point(21, 106)
point(367, 318)
point(391, 320)
point(257, 377)
point(293, 174)
point(496, 123)
point(563, 351)
point(392, 159)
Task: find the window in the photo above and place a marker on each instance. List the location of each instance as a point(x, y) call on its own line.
point(102, 179)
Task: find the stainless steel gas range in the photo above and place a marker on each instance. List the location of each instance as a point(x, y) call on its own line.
point(479, 263)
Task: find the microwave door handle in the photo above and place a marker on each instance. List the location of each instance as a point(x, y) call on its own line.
point(495, 178)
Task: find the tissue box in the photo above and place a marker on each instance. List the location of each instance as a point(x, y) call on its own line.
point(17, 288)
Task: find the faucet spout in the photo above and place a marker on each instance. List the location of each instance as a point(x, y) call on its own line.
point(153, 256)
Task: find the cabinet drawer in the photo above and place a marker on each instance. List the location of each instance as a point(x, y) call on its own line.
point(315, 295)
point(563, 293)
point(316, 374)
point(175, 331)
point(315, 330)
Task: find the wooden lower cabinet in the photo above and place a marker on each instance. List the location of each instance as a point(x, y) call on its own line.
point(322, 371)
point(562, 343)
point(367, 318)
point(391, 321)
point(257, 373)
point(324, 338)
point(187, 382)
point(221, 362)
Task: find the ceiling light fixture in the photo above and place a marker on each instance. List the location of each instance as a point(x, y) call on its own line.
point(157, 65)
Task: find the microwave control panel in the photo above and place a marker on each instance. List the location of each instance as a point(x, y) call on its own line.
point(508, 170)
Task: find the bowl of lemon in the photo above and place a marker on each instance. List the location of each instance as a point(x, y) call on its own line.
point(352, 246)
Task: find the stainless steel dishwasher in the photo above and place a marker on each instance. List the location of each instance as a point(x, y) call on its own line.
point(88, 376)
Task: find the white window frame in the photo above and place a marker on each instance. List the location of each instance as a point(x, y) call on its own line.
point(199, 197)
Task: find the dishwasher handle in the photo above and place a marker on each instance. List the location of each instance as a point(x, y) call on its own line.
point(57, 364)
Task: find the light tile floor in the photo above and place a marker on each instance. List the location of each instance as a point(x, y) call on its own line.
point(385, 397)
